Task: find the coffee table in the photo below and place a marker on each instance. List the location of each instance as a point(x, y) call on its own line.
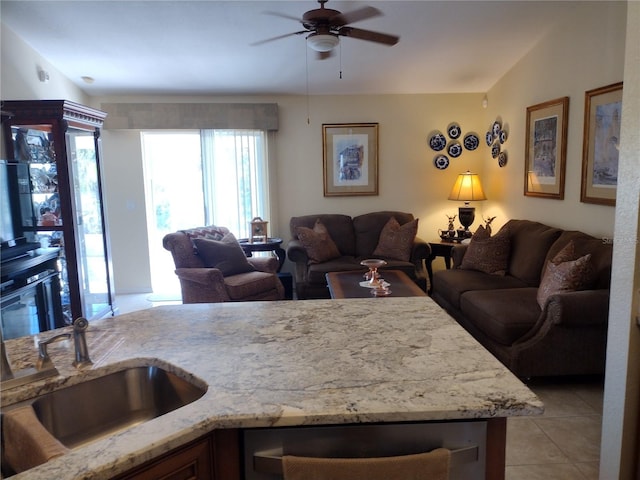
point(347, 284)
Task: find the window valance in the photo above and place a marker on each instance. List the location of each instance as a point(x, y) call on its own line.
point(149, 116)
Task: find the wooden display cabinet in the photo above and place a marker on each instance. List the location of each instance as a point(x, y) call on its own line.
point(59, 200)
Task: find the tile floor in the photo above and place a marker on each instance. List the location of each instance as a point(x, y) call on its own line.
point(561, 444)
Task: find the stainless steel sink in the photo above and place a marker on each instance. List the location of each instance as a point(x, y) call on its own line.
point(100, 407)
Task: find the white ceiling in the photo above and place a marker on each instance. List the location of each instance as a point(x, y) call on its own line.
point(176, 47)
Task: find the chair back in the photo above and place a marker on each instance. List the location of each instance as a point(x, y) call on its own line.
point(180, 244)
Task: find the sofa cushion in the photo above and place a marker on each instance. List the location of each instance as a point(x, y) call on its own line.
point(317, 242)
point(396, 240)
point(340, 228)
point(226, 255)
point(449, 285)
point(503, 315)
point(367, 228)
point(486, 253)
point(530, 242)
point(566, 273)
point(316, 272)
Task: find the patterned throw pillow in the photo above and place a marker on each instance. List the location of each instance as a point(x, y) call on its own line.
point(226, 255)
point(566, 273)
point(317, 242)
point(486, 253)
point(396, 241)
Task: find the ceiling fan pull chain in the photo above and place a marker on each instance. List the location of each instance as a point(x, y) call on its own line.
point(340, 53)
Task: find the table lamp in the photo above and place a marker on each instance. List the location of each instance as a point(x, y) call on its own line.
point(467, 189)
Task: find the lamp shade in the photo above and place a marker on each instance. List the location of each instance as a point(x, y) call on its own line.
point(323, 42)
point(467, 188)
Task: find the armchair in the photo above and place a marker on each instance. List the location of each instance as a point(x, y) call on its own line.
point(205, 284)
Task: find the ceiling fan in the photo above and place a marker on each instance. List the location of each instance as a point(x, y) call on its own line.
point(324, 26)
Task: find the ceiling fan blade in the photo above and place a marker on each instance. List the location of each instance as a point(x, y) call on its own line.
point(260, 42)
point(369, 35)
point(283, 15)
point(354, 16)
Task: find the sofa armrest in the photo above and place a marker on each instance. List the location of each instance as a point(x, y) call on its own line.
point(296, 252)
point(457, 252)
point(580, 308)
point(420, 250)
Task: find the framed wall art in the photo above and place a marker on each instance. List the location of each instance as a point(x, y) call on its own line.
point(546, 149)
point(350, 159)
point(601, 141)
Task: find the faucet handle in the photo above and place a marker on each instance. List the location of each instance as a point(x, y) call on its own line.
point(44, 361)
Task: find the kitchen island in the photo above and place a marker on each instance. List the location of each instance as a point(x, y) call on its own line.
point(286, 364)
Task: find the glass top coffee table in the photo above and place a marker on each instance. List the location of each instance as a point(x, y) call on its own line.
point(347, 284)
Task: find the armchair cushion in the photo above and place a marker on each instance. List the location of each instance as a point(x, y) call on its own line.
point(317, 242)
point(396, 241)
point(226, 255)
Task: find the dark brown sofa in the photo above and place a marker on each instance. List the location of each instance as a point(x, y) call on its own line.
point(567, 337)
point(356, 239)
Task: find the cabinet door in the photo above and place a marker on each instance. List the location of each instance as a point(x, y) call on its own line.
point(193, 462)
point(88, 220)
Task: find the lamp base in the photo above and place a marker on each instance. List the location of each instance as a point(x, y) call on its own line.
point(466, 215)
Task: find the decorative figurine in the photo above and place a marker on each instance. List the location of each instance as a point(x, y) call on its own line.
point(451, 220)
point(487, 223)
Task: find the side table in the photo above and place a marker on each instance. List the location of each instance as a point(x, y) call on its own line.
point(271, 245)
point(442, 249)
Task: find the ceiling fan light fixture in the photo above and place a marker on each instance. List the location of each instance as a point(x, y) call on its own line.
point(322, 42)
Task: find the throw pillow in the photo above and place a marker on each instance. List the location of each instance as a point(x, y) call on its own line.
point(396, 241)
point(486, 253)
point(226, 255)
point(565, 273)
point(317, 242)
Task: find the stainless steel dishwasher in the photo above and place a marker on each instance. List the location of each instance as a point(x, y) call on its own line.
point(263, 448)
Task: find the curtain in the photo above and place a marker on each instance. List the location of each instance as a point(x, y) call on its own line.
point(235, 178)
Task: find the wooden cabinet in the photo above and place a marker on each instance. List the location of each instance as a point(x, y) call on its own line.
point(57, 197)
point(215, 456)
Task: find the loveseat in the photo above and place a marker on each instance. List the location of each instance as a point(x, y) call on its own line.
point(544, 312)
point(355, 239)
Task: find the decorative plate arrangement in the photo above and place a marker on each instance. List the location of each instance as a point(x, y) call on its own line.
point(454, 149)
point(441, 162)
point(437, 142)
point(471, 141)
point(495, 137)
point(454, 130)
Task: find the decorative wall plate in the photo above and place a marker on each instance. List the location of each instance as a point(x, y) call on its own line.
point(495, 150)
point(454, 149)
point(502, 159)
point(503, 136)
point(441, 162)
point(454, 130)
point(471, 141)
point(495, 129)
point(437, 142)
point(488, 138)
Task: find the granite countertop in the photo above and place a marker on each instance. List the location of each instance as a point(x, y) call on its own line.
point(282, 363)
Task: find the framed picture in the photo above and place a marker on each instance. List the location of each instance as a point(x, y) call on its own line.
point(546, 149)
point(602, 110)
point(350, 159)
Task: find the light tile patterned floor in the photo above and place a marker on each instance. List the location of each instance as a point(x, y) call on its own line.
point(562, 444)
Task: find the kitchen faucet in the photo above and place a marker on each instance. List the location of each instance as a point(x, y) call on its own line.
point(44, 366)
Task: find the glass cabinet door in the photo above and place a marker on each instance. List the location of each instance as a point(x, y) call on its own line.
point(93, 269)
